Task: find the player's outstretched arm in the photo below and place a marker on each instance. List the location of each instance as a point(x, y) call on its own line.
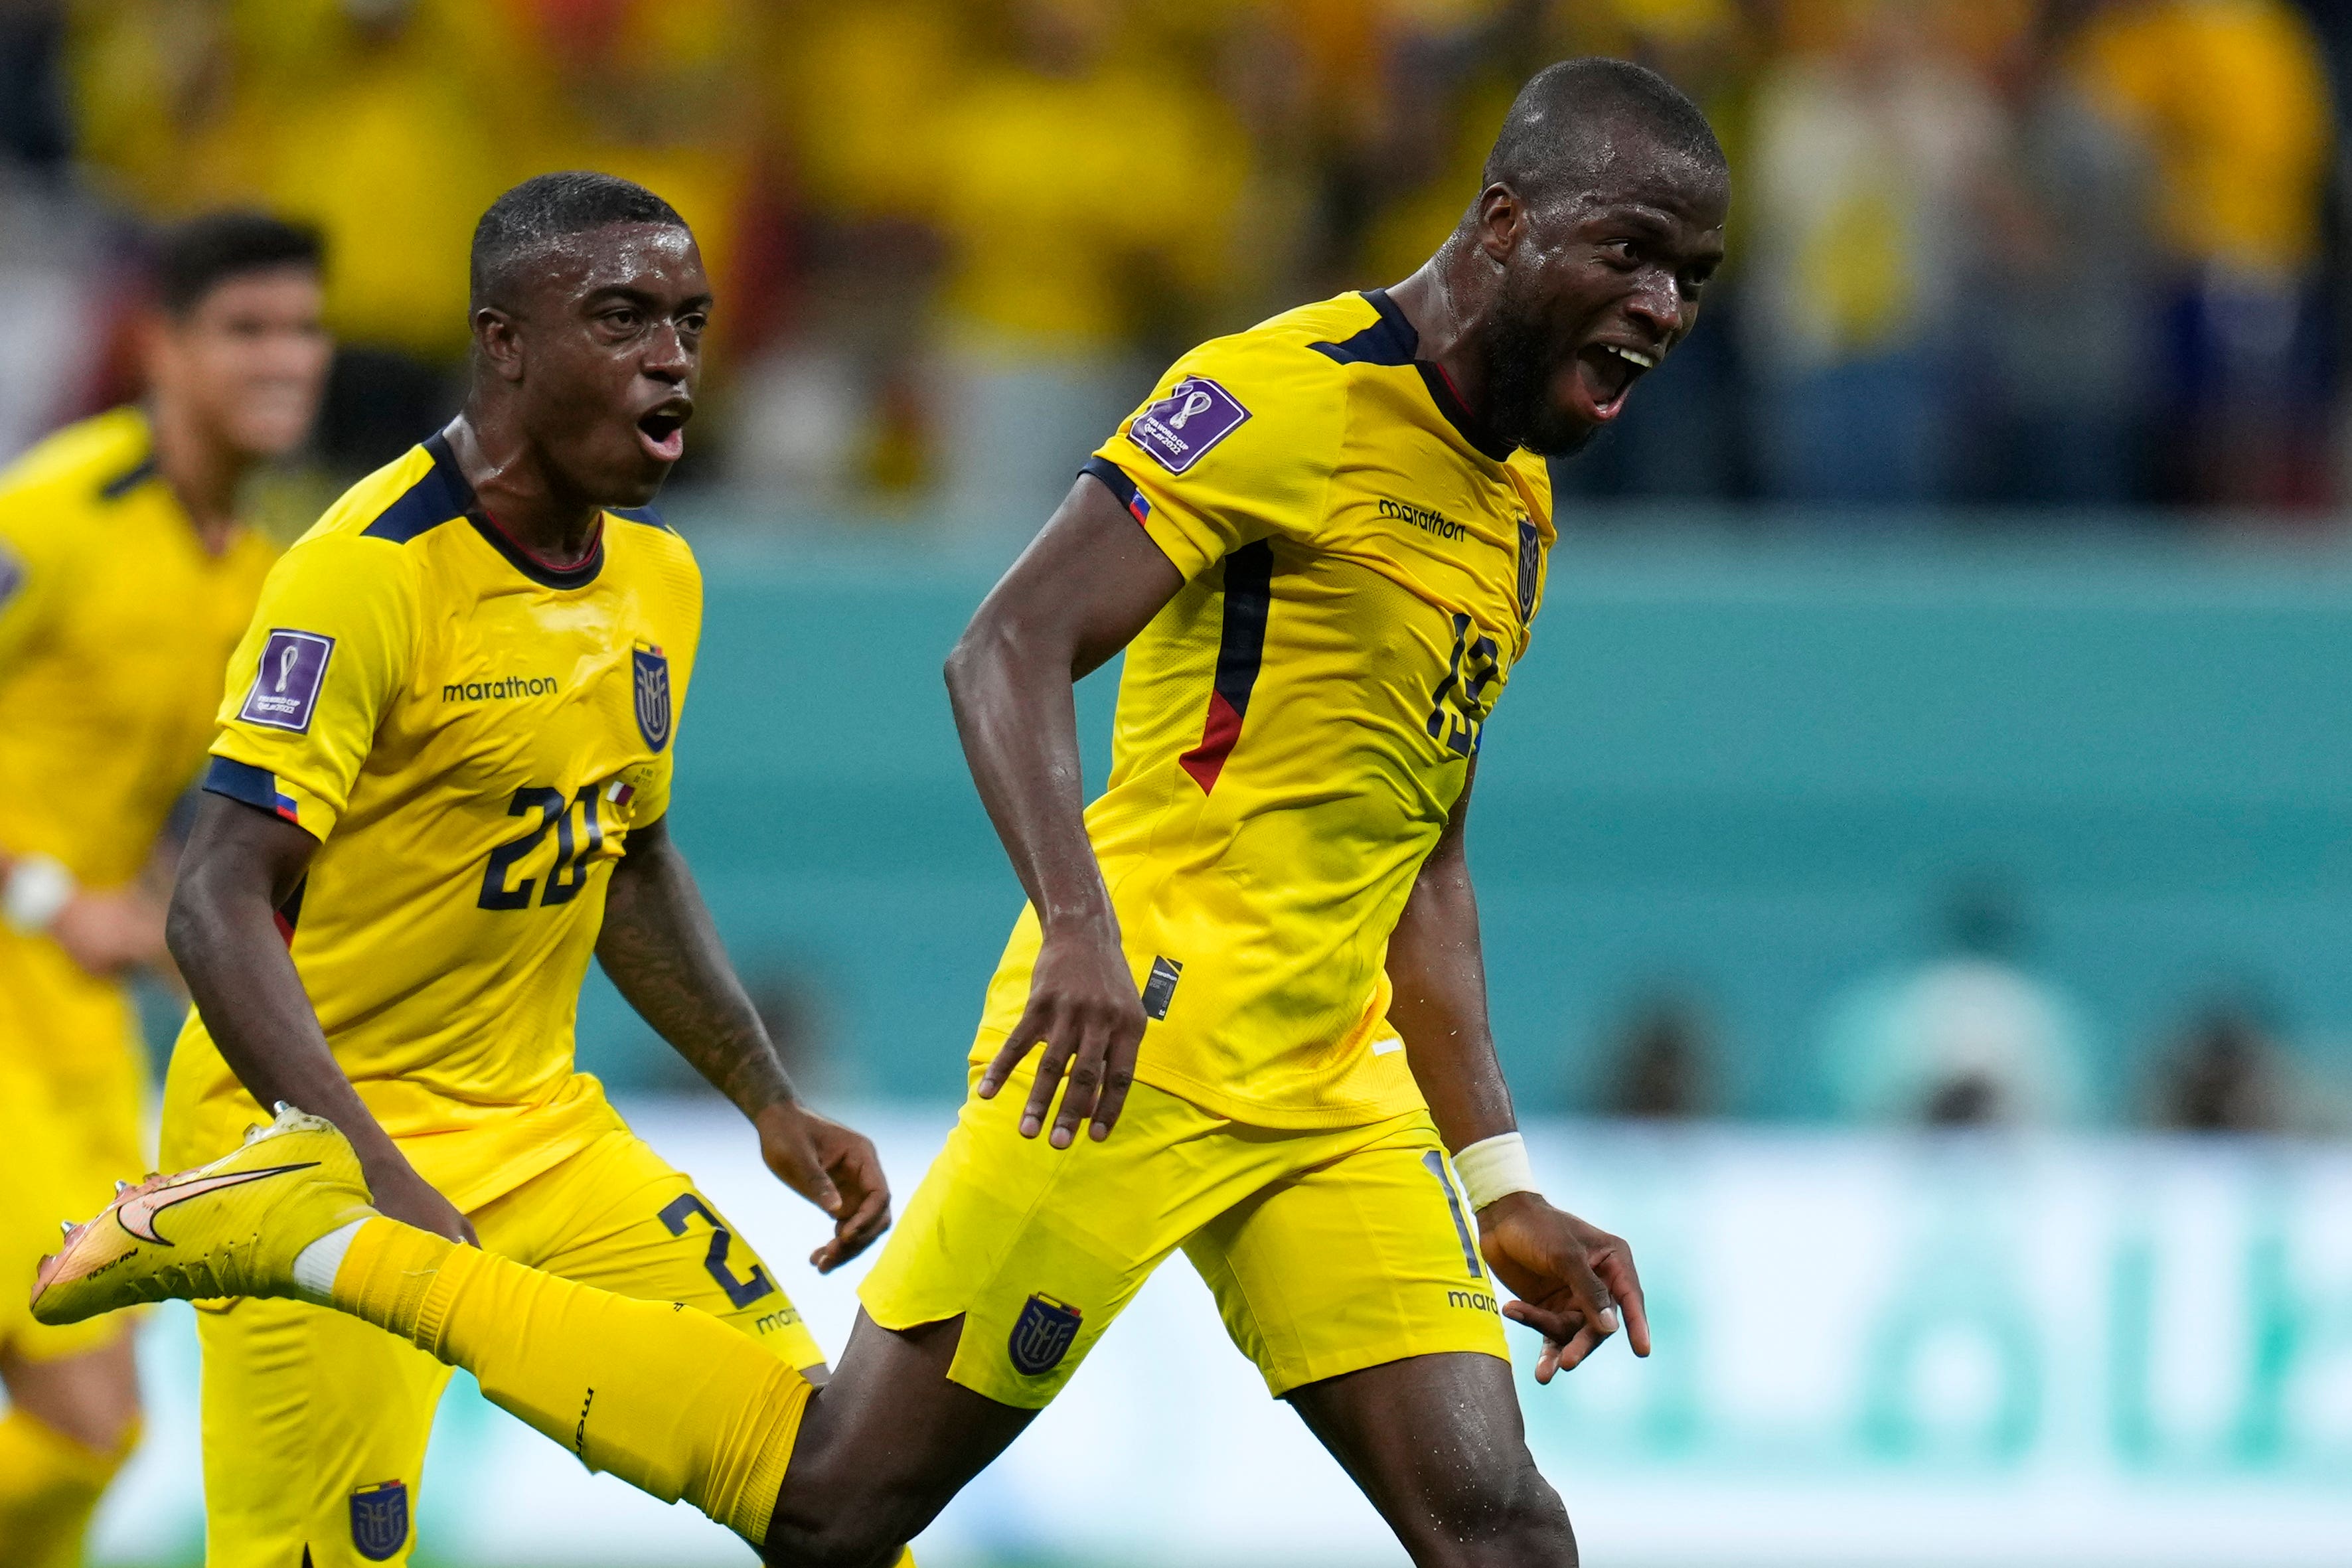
point(1086, 585)
point(662, 950)
point(1571, 1278)
point(240, 867)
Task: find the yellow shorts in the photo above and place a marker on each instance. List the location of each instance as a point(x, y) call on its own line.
point(315, 1424)
point(1327, 1250)
point(72, 1086)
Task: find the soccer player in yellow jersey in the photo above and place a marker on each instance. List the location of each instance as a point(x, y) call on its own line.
point(125, 580)
point(1246, 1012)
point(440, 782)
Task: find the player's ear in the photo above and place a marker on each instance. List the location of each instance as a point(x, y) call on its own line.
point(500, 343)
point(1501, 216)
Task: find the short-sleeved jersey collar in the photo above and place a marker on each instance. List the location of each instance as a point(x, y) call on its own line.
point(1392, 340)
point(444, 495)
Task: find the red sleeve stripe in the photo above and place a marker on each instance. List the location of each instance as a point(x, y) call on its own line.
point(1241, 650)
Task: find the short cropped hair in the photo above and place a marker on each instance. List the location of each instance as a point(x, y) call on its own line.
point(190, 260)
point(1558, 124)
point(546, 208)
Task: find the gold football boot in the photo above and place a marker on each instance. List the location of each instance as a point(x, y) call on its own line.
point(230, 1228)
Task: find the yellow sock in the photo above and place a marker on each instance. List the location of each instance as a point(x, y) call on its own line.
point(49, 1487)
point(669, 1399)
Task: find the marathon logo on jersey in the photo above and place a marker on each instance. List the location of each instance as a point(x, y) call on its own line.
point(1430, 520)
point(653, 696)
point(1042, 1335)
point(506, 688)
point(379, 1519)
point(1195, 416)
point(286, 685)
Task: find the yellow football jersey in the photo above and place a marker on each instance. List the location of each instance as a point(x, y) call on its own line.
point(1362, 566)
point(114, 623)
point(470, 734)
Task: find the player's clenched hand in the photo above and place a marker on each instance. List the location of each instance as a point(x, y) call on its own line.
point(835, 1168)
point(1571, 1279)
point(1085, 1010)
point(397, 1192)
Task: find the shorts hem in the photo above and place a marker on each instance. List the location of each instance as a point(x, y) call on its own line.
point(1019, 1398)
point(1281, 1384)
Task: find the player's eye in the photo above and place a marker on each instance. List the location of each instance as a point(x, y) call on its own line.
point(1624, 254)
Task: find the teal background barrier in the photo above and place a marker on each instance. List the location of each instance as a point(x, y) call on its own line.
point(1749, 770)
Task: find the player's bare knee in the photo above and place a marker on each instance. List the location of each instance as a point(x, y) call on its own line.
point(836, 1519)
point(852, 1539)
point(1510, 1520)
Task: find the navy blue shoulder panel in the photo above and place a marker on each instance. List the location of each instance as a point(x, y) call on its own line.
point(644, 514)
point(1389, 341)
point(441, 496)
point(1392, 341)
point(129, 480)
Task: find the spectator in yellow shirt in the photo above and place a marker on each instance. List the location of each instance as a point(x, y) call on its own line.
point(1085, 198)
point(2231, 98)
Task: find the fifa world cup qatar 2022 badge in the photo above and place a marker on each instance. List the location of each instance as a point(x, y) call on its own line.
point(379, 1519)
point(286, 683)
point(1195, 416)
point(653, 695)
point(1042, 1335)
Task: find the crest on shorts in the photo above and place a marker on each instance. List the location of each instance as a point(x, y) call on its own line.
point(653, 696)
point(379, 1519)
point(1195, 416)
point(1042, 1335)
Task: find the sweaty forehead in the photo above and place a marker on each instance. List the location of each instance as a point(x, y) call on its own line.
point(650, 258)
point(1666, 181)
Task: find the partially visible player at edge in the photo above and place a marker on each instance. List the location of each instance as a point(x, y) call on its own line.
point(125, 580)
point(1257, 980)
point(440, 781)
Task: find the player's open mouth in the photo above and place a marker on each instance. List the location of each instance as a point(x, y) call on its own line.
point(1605, 373)
point(663, 431)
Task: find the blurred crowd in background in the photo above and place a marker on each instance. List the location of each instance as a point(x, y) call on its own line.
point(2085, 253)
point(2092, 257)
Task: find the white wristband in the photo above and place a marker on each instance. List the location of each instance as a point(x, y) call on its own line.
point(37, 891)
point(1494, 1168)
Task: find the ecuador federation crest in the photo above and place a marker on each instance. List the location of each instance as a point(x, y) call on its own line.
point(653, 696)
point(1042, 1335)
point(379, 1519)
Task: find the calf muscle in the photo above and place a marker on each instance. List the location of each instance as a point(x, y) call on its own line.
point(884, 1444)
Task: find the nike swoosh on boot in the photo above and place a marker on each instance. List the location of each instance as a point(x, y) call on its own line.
point(137, 1213)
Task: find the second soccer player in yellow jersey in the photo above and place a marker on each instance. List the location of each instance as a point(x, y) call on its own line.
point(440, 784)
point(126, 576)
